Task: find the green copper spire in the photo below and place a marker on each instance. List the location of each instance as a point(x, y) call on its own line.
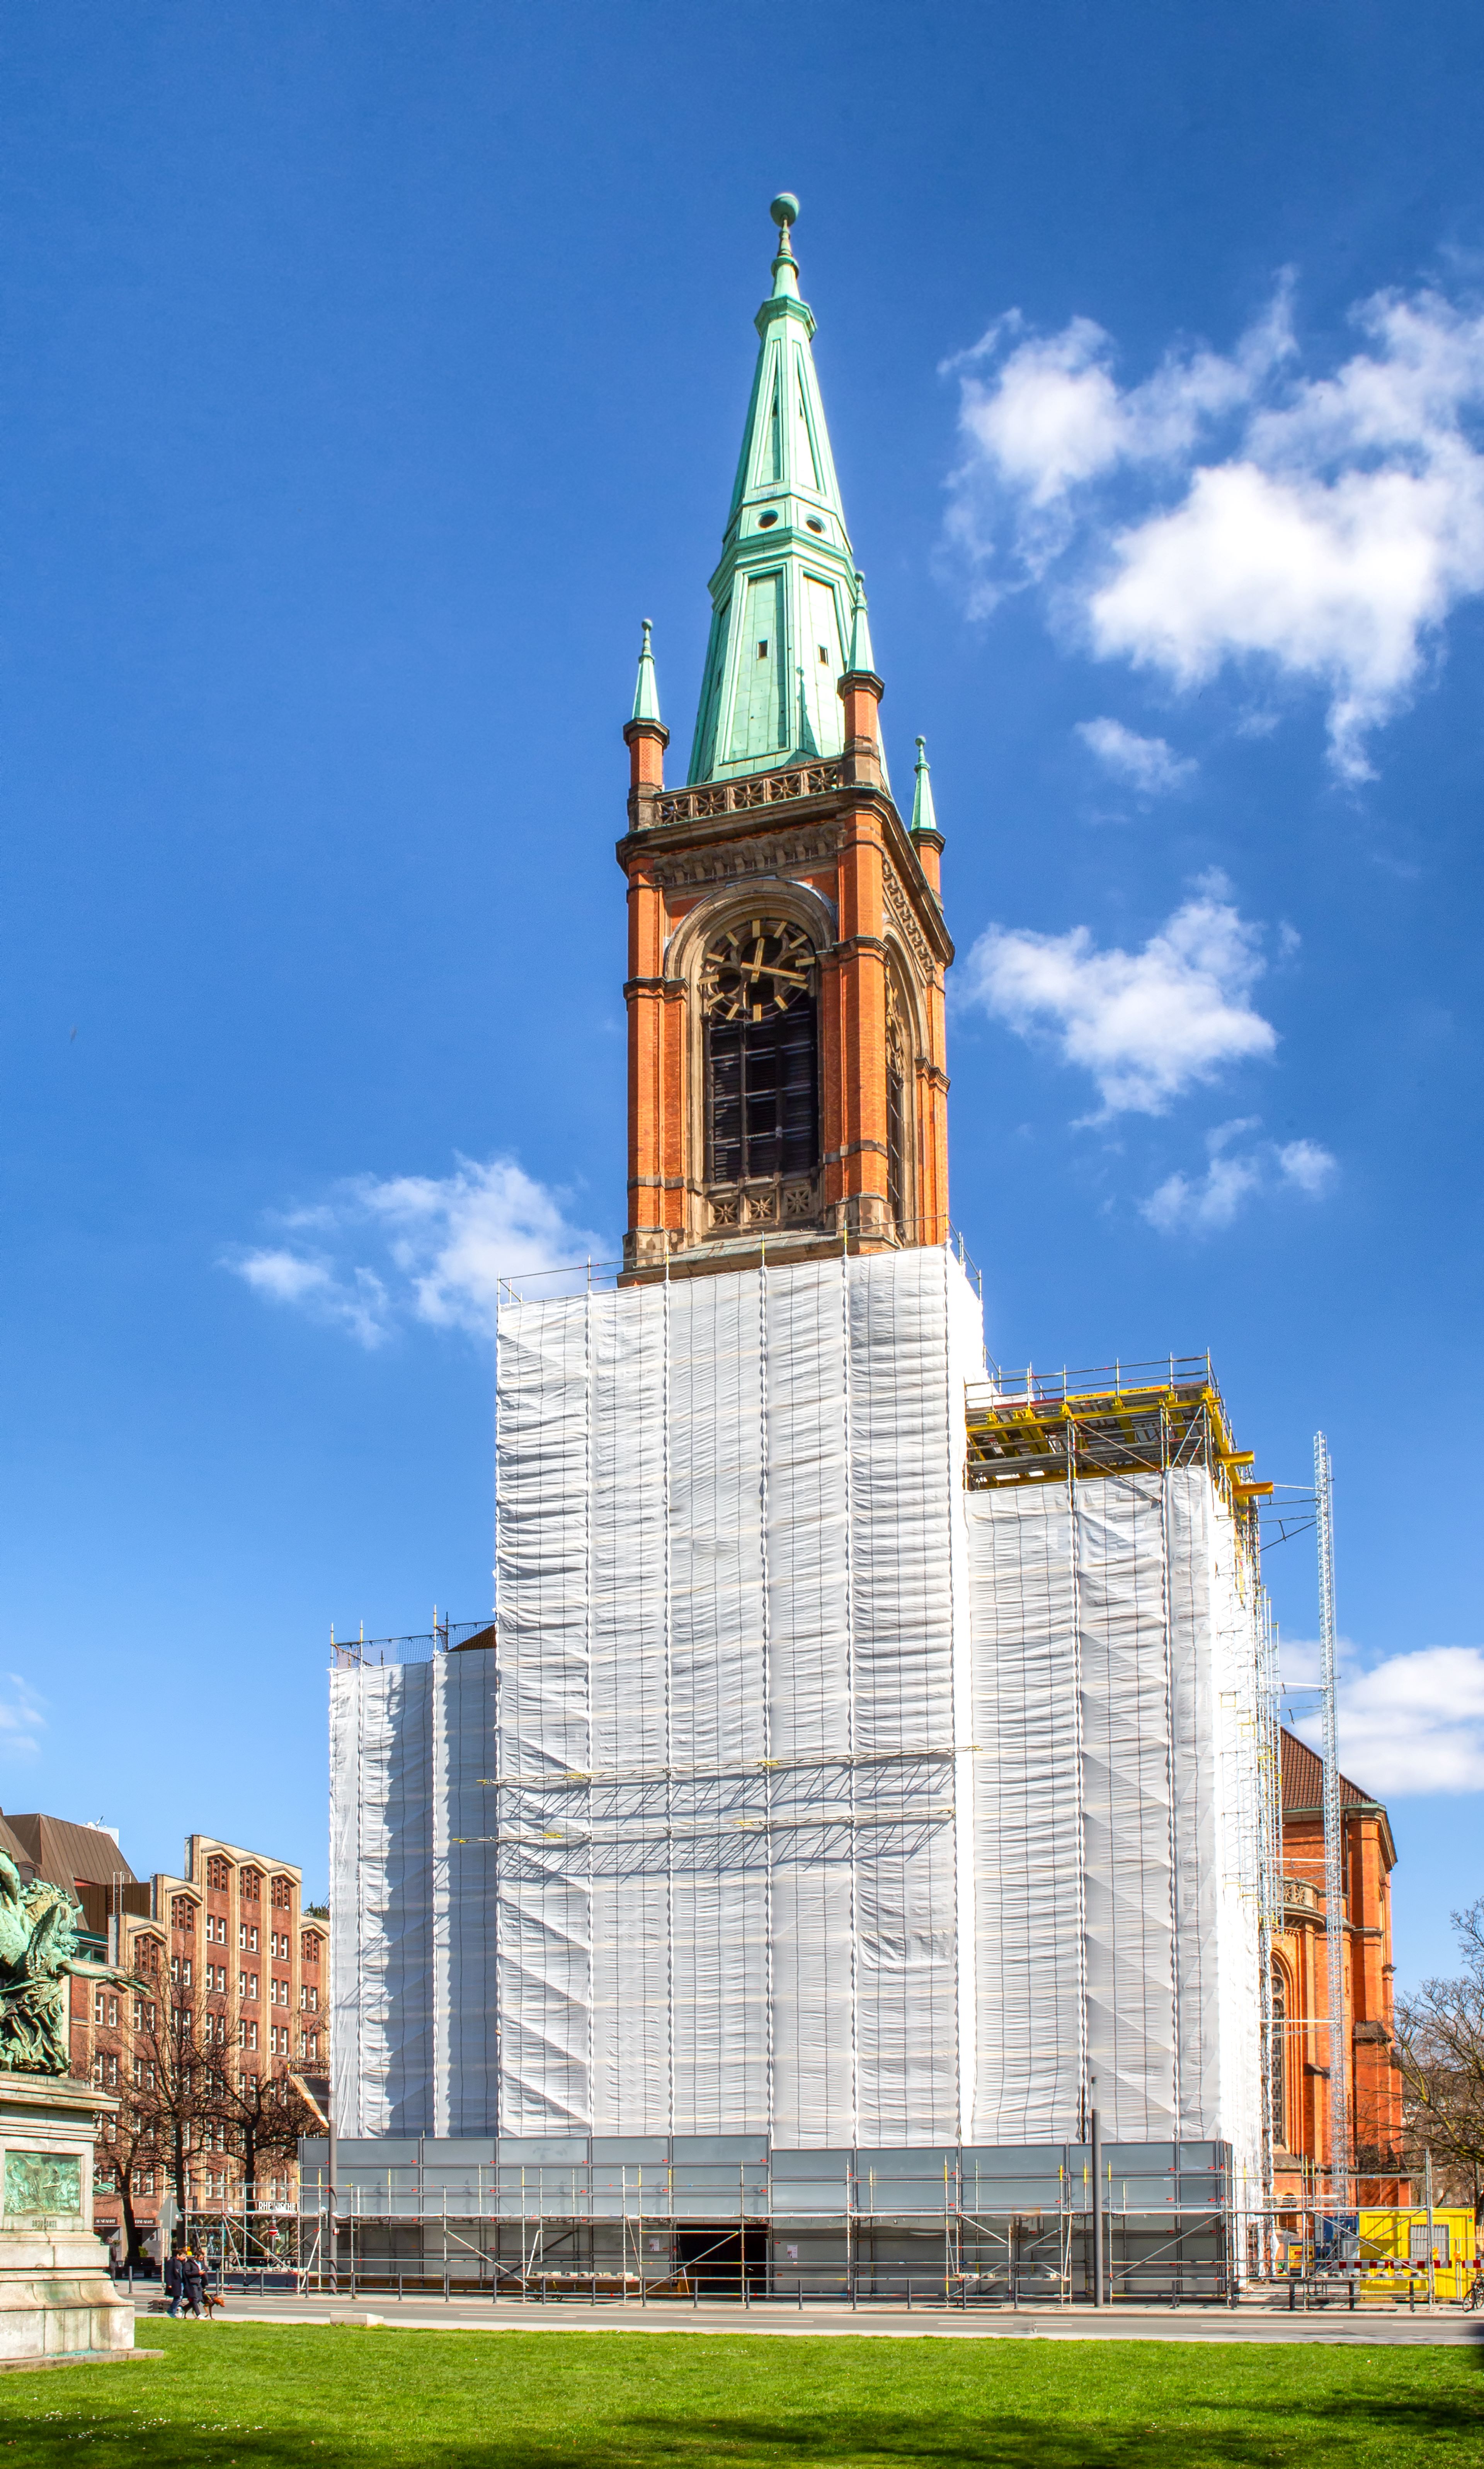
point(925, 818)
point(787, 599)
point(646, 693)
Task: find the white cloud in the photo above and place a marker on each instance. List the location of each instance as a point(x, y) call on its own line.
point(1234, 1176)
point(442, 1245)
point(1411, 1723)
point(1307, 1166)
point(1149, 764)
point(1232, 511)
point(20, 1719)
point(1147, 1024)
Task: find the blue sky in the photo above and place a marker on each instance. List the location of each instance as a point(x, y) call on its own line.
point(369, 372)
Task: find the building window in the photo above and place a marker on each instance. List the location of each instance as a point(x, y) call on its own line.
point(182, 1913)
point(1279, 2059)
point(282, 1892)
point(251, 1885)
point(308, 1947)
point(218, 1874)
point(762, 1072)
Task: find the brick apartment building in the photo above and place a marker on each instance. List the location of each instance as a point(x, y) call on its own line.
point(229, 1941)
point(1301, 2008)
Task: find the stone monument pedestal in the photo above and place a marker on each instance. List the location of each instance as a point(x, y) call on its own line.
point(57, 2301)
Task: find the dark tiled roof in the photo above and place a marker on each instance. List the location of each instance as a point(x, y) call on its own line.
point(1303, 1779)
point(65, 1854)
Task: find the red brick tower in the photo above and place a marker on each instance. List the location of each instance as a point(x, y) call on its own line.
point(787, 1088)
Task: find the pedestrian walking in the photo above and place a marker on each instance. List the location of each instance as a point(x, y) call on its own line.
point(173, 2282)
point(193, 2275)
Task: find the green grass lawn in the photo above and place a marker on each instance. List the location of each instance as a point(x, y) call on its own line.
point(318, 2397)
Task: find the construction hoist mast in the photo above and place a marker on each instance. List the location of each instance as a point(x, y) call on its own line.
point(1333, 1854)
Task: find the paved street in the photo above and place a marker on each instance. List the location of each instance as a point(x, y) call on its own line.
point(1255, 2320)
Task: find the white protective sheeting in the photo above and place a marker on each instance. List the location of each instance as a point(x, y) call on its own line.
point(1115, 1703)
point(733, 1680)
point(819, 1798)
point(411, 1908)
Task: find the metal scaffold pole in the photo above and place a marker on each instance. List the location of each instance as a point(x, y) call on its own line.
point(1334, 1861)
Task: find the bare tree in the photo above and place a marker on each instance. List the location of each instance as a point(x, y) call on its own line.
point(264, 2115)
point(1440, 2040)
point(127, 2145)
point(128, 2135)
point(178, 2039)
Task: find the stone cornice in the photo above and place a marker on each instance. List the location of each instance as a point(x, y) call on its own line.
point(707, 834)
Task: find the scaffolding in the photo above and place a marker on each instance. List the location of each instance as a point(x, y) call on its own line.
point(1116, 1418)
point(1124, 1567)
point(948, 2228)
point(797, 1594)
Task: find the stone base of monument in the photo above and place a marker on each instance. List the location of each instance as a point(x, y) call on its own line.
point(57, 2302)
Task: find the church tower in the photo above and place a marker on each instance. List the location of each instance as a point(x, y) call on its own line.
point(859, 1785)
point(787, 1090)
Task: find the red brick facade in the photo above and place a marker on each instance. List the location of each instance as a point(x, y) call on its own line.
point(229, 1941)
point(1301, 1990)
point(821, 848)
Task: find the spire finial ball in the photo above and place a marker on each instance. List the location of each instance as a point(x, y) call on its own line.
point(784, 209)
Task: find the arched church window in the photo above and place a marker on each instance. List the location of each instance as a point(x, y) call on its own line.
point(761, 1075)
point(898, 1184)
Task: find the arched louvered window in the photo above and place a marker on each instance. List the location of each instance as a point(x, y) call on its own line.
point(757, 988)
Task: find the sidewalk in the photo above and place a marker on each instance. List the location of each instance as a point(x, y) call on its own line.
point(1258, 2319)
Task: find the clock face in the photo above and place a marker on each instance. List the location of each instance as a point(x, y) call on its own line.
point(757, 968)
